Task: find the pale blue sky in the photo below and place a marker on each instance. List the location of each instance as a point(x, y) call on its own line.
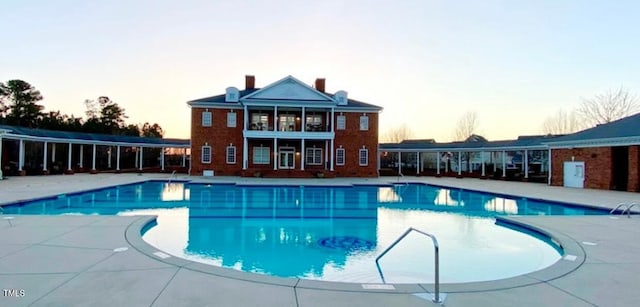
point(425, 62)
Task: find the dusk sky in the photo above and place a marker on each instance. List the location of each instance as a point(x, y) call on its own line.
point(425, 62)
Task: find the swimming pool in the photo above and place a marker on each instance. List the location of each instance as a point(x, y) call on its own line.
point(328, 233)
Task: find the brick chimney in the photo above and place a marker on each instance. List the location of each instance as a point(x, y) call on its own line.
point(320, 84)
point(249, 82)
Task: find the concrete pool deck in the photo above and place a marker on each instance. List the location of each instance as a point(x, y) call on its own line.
point(70, 260)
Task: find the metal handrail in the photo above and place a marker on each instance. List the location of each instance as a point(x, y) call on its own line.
point(627, 208)
point(172, 175)
point(437, 256)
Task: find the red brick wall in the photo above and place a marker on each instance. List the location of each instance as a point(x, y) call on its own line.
point(633, 184)
point(219, 136)
point(597, 161)
point(352, 140)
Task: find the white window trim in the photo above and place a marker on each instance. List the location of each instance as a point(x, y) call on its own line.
point(343, 125)
point(202, 156)
point(234, 116)
point(253, 158)
point(366, 157)
point(309, 154)
point(338, 162)
point(364, 127)
point(227, 154)
point(207, 119)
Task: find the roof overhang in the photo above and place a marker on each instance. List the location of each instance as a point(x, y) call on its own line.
point(91, 142)
point(604, 142)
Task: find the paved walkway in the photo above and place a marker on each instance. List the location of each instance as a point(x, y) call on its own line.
point(76, 260)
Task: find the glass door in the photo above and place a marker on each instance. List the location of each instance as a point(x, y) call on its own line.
point(287, 158)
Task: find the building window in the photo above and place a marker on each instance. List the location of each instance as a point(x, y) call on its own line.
point(261, 155)
point(314, 122)
point(364, 122)
point(206, 119)
point(231, 119)
point(364, 157)
point(231, 154)
point(287, 122)
point(259, 121)
point(341, 122)
point(206, 154)
point(340, 156)
point(314, 156)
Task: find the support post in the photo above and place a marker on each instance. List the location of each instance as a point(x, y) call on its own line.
point(184, 157)
point(438, 164)
point(275, 118)
point(81, 156)
point(459, 164)
point(275, 154)
point(53, 152)
point(526, 164)
point(44, 159)
point(303, 123)
point(69, 166)
point(504, 164)
point(21, 159)
point(162, 158)
point(482, 158)
point(109, 157)
point(399, 162)
point(245, 153)
point(1, 176)
point(141, 157)
point(332, 150)
point(417, 163)
point(549, 168)
point(118, 158)
point(302, 161)
point(93, 160)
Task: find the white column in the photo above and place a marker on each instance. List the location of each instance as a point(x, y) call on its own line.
point(21, 156)
point(275, 154)
point(93, 159)
point(504, 164)
point(399, 162)
point(417, 163)
point(141, 157)
point(526, 164)
point(459, 163)
point(482, 158)
point(135, 163)
point(162, 158)
point(469, 162)
point(333, 120)
point(549, 168)
point(303, 123)
point(81, 155)
point(326, 153)
point(1, 156)
point(69, 157)
point(53, 152)
point(438, 163)
point(245, 116)
point(275, 118)
point(302, 161)
point(118, 158)
point(245, 153)
point(495, 166)
point(332, 150)
point(109, 157)
point(44, 157)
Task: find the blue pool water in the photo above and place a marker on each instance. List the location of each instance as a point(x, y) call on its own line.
point(328, 233)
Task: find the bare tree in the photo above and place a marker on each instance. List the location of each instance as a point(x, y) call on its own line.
point(467, 125)
point(398, 134)
point(607, 107)
point(562, 123)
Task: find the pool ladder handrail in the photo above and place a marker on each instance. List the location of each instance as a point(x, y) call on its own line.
point(173, 175)
point(436, 247)
point(627, 208)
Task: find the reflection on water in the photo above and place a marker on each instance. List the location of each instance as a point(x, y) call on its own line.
point(327, 233)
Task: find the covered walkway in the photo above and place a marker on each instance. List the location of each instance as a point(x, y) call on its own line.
point(37, 151)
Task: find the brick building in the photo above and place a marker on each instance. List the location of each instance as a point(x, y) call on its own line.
point(603, 157)
point(285, 129)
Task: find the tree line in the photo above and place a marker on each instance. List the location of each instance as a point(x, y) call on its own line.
point(19, 106)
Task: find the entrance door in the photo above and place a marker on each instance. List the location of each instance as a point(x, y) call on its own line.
point(620, 167)
point(287, 158)
point(574, 174)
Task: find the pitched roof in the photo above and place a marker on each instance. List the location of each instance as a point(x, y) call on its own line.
point(16, 132)
point(627, 128)
point(522, 142)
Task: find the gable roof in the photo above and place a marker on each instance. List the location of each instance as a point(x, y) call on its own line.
point(288, 88)
point(625, 131)
point(523, 142)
